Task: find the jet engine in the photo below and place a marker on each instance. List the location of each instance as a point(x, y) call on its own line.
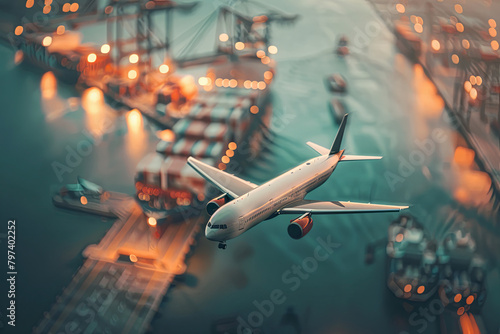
point(299, 227)
point(216, 203)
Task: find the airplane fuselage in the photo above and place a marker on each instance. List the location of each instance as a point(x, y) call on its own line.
point(265, 201)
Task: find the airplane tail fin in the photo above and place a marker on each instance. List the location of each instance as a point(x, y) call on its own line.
point(338, 138)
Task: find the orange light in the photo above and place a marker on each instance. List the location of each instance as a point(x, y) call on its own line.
point(230, 153)
point(83, 200)
point(479, 80)
point(239, 45)
point(48, 2)
point(473, 93)
point(233, 83)
point(421, 289)
point(469, 300)
point(222, 166)
point(460, 27)
point(30, 3)
point(61, 30)
point(105, 48)
point(47, 40)
point(494, 45)
point(66, 7)
point(400, 8)
point(167, 135)
point(465, 44)
point(455, 59)
point(225, 83)
point(218, 82)
point(261, 85)
point(74, 7)
point(399, 237)
point(272, 49)
point(225, 159)
point(268, 75)
point(91, 58)
point(232, 146)
point(254, 109)
point(133, 58)
point(492, 23)
point(223, 37)
point(46, 9)
point(132, 74)
point(493, 32)
point(255, 84)
point(418, 28)
point(108, 10)
point(458, 298)
point(472, 79)
point(151, 221)
point(247, 84)
point(133, 258)
point(19, 30)
point(260, 54)
point(467, 86)
point(407, 288)
point(459, 9)
point(266, 60)
point(164, 68)
point(435, 45)
point(460, 311)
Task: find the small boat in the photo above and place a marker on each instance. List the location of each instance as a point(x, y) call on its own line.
point(336, 83)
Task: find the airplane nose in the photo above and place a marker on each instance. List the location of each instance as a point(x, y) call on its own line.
point(209, 233)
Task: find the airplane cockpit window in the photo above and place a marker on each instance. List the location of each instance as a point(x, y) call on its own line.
point(217, 227)
point(209, 224)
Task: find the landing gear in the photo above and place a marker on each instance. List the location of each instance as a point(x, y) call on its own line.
point(222, 245)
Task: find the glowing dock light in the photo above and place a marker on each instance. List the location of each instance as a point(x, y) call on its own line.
point(46, 9)
point(74, 7)
point(132, 74)
point(47, 40)
point(239, 45)
point(222, 166)
point(467, 86)
point(247, 84)
point(465, 44)
point(418, 28)
point(133, 58)
point(261, 85)
point(472, 79)
point(272, 49)
point(105, 48)
point(473, 93)
point(218, 82)
point(460, 27)
point(93, 95)
point(407, 288)
point(400, 8)
point(83, 200)
point(493, 32)
point(260, 53)
point(203, 81)
point(164, 68)
point(133, 258)
point(457, 298)
point(232, 146)
point(268, 75)
point(469, 300)
point(61, 30)
point(460, 310)
point(91, 58)
point(230, 153)
point(108, 10)
point(151, 221)
point(66, 7)
point(254, 109)
point(266, 60)
point(492, 23)
point(223, 37)
point(455, 59)
point(459, 9)
point(421, 289)
point(494, 45)
point(399, 237)
point(30, 3)
point(435, 45)
point(19, 30)
point(225, 159)
point(479, 80)
point(233, 83)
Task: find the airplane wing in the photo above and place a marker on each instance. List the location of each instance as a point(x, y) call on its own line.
point(324, 151)
point(225, 182)
point(318, 207)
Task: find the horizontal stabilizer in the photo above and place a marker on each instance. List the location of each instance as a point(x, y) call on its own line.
point(359, 157)
point(318, 148)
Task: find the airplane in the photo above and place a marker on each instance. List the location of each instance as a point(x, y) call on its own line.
point(243, 204)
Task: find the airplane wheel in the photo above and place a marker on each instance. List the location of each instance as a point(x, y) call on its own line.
point(222, 246)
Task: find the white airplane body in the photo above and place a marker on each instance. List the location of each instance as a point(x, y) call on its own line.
point(244, 204)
